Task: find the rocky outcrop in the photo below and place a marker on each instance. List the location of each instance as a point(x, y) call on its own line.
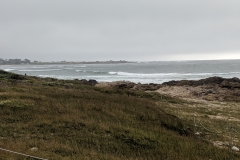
point(223, 82)
point(212, 88)
point(90, 82)
point(210, 81)
point(17, 77)
point(230, 84)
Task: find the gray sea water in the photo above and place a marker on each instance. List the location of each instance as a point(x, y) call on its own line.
point(143, 72)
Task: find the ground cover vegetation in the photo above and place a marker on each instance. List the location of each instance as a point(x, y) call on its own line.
point(64, 119)
point(214, 121)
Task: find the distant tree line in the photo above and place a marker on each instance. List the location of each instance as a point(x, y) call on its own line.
point(14, 61)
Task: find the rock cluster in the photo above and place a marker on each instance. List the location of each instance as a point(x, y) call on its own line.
point(223, 82)
point(212, 88)
point(90, 82)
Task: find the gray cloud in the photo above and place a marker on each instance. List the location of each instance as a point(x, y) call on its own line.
point(126, 29)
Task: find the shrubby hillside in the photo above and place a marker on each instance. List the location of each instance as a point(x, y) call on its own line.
point(57, 119)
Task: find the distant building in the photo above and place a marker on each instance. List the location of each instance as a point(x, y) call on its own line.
point(27, 61)
point(15, 61)
point(1, 61)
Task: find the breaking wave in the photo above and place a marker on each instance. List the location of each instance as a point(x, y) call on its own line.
point(91, 71)
point(143, 72)
point(164, 74)
point(8, 69)
point(40, 70)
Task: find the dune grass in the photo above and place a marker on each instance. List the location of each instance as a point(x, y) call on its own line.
point(68, 120)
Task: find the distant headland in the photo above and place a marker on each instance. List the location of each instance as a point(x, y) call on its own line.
point(27, 61)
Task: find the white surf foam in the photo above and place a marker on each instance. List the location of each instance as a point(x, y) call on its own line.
point(8, 69)
point(40, 70)
point(140, 74)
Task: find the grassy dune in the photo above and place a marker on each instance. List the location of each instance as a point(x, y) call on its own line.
point(68, 120)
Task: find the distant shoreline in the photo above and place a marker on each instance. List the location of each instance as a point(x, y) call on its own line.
point(28, 62)
point(65, 62)
point(143, 72)
point(94, 62)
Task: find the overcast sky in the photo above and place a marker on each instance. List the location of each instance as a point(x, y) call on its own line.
point(134, 30)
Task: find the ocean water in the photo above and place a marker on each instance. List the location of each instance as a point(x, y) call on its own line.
point(143, 72)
